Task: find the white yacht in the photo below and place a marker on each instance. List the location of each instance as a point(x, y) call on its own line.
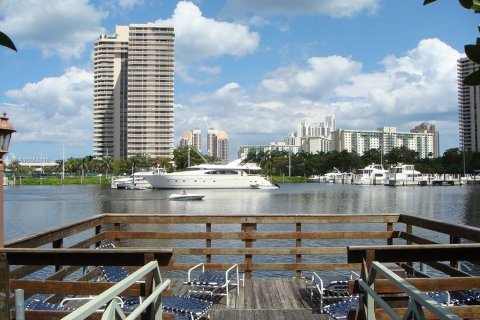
point(134, 181)
point(234, 175)
point(373, 174)
point(403, 174)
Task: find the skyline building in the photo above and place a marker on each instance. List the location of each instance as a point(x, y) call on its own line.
point(192, 138)
point(218, 145)
point(134, 92)
point(468, 107)
point(384, 139)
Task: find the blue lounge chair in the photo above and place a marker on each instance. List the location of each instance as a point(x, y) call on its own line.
point(332, 292)
point(213, 282)
point(42, 305)
point(182, 306)
point(339, 310)
point(188, 307)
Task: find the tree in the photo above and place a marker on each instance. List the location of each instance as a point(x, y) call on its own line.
point(182, 155)
point(471, 50)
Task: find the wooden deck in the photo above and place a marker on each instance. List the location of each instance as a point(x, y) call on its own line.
point(278, 298)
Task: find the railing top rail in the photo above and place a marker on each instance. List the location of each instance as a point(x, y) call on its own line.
point(82, 257)
point(413, 253)
point(251, 218)
point(458, 230)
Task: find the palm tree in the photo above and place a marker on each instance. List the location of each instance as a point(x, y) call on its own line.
point(83, 166)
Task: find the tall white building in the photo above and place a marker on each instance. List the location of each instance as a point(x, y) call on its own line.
point(468, 107)
point(133, 92)
point(384, 139)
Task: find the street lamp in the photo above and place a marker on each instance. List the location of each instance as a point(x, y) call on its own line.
point(6, 130)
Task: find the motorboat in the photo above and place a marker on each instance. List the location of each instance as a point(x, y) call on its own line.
point(136, 179)
point(234, 175)
point(185, 196)
point(373, 174)
point(336, 176)
point(403, 174)
point(257, 186)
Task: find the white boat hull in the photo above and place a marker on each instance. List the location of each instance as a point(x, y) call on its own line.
point(186, 197)
point(206, 181)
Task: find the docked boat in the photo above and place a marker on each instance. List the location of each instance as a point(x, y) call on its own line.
point(185, 196)
point(234, 175)
point(136, 180)
point(373, 174)
point(403, 174)
point(336, 176)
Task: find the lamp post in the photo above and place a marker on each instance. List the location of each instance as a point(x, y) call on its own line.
point(6, 130)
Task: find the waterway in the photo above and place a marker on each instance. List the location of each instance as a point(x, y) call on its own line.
point(30, 209)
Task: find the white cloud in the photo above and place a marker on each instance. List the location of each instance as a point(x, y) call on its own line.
point(57, 27)
point(419, 86)
point(334, 8)
point(55, 109)
point(199, 38)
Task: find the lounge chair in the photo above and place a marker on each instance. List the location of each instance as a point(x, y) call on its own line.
point(181, 305)
point(187, 306)
point(37, 304)
point(332, 292)
point(213, 282)
point(339, 310)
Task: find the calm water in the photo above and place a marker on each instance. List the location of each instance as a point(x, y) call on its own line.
point(30, 209)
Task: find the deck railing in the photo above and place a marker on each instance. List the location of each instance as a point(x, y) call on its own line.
point(298, 243)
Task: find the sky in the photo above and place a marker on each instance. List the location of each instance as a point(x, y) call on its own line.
point(252, 68)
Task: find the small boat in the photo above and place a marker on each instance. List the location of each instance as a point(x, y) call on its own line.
point(185, 196)
point(259, 186)
point(373, 174)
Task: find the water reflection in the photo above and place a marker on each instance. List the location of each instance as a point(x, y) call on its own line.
point(30, 209)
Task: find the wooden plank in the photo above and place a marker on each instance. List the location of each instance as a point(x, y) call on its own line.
point(256, 218)
point(415, 239)
point(461, 231)
point(48, 236)
point(464, 312)
point(82, 257)
point(411, 253)
point(249, 296)
point(72, 287)
point(261, 251)
point(323, 235)
point(424, 284)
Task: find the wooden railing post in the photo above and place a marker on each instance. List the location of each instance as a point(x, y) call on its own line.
point(298, 244)
point(116, 227)
point(389, 229)
point(208, 242)
point(248, 228)
point(454, 240)
point(56, 245)
point(98, 229)
point(4, 287)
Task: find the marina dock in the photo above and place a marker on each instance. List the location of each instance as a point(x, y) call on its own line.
point(435, 256)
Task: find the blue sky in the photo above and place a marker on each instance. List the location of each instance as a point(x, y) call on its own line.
point(253, 68)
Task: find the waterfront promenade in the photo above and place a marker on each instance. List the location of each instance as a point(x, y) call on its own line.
point(300, 244)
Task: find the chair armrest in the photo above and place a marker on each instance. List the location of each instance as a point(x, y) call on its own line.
point(195, 267)
point(229, 270)
point(317, 282)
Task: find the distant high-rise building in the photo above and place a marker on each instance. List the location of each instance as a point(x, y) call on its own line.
point(133, 92)
point(429, 128)
point(468, 107)
point(197, 139)
point(217, 145)
point(186, 139)
point(383, 139)
point(192, 139)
